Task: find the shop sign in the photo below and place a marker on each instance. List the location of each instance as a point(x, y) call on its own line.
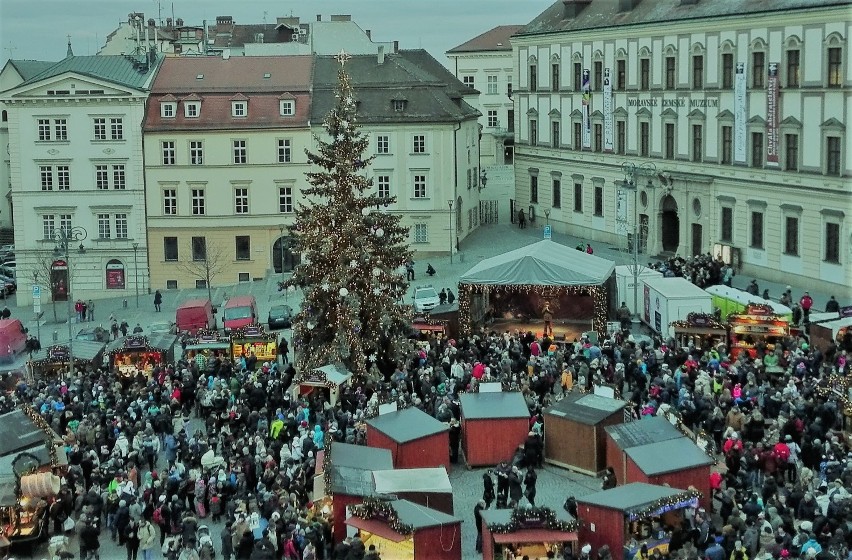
point(263, 349)
point(314, 376)
point(532, 520)
point(846, 311)
point(759, 309)
point(58, 354)
point(135, 342)
point(115, 275)
point(674, 102)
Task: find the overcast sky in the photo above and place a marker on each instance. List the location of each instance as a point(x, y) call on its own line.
point(38, 29)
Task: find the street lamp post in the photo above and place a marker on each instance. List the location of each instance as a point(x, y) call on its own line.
point(63, 237)
point(547, 216)
point(281, 247)
point(631, 171)
point(450, 204)
point(136, 272)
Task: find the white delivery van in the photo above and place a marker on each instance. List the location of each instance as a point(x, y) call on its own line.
point(624, 285)
point(671, 299)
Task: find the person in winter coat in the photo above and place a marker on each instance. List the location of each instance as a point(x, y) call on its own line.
point(147, 535)
point(131, 539)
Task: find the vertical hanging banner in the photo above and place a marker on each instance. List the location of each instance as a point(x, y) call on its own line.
point(607, 109)
point(740, 114)
point(772, 112)
point(587, 110)
point(621, 212)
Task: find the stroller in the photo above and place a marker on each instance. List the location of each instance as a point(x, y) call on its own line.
point(205, 543)
point(57, 548)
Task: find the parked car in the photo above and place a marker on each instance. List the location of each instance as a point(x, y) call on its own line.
point(7, 257)
point(167, 327)
point(10, 264)
point(10, 286)
point(8, 272)
point(280, 317)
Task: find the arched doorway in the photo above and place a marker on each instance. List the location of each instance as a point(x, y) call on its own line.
point(282, 253)
point(670, 224)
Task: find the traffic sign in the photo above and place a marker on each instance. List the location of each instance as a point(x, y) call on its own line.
point(547, 232)
point(36, 292)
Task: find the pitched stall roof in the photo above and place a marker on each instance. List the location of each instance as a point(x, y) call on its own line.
point(600, 14)
point(83, 350)
point(19, 433)
point(588, 409)
point(130, 71)
point(483, 406)
point(668, 456)
point(430, 91)
point(407, 425)
point(496, 39)
point(351, 468)
point(630, 497)
point(643, 432)
point(427, 480)
point(421, 517)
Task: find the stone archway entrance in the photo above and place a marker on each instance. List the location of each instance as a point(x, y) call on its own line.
point(669, 224)
point(282, 254)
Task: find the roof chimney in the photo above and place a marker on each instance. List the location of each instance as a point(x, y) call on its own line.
point(627, 5)
point(341, 17)
point(572, 8)
point(381, 57)
point(226, 54)
point(396, 46)
point(179, 22)
point(319, 17)
point(369, 34)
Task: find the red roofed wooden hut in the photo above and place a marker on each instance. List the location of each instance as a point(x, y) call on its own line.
point(414, 438)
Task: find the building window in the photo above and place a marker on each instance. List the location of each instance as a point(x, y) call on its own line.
point(791, 152)
point(554, 134)
point(170, 249)
point(727, 143)
point(116, 128)
point(285, 200)
point(121, 228)
point(697, 71)
point(533, 132)
point(119, 178)
point(621, 75)
point(196, 152)
point(469, 81)
point(835, 67)
point(167, 110)
point(191, 109)
point(554, 76)
point(65, 222)
point(241, 200)
point(421, 233)
point(492, 119)
point(398, 105)
point(198, 202)
point(670, 140)
point(578, 76)
point(578, 197)
point(578, 136)
point(671, 74)
point(469, 182)
point(757, 149)
point(758, 69)
point(832, 155)
point(60, 129)
point(757, 230)
point(791, 235)
point(168, 152)
point(285, 151)
point(287, 107)
point(242, 247)
point(104, 226)
point(534, 189)
point(645, 74)
point(599, 201)
point(419, 183)
point(492, 84)
point(44, 130)
point(727, 70)
point(63, 177)
point(46, 174)
point(240, 152)
point(597, 75)
point(697, 142)
point(239, 108)
point(793, 68)
point(509, 86)
point(832, 242)
point(510, 120)
point(102, 177)
point(383, 144)
point(727, 227)
point(100, 128)
point(598, 137)
point(621, 137)
point(644, 139)
point(199, 248)
point(533, 77)
point(48, 225)
point(383, 186)
point(170, 202)
point(419, 144)
point(557, 193)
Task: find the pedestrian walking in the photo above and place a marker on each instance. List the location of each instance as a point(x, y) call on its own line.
point(409, 270)
point(158, 300)
point(806, 303)
point(522, 219)
point(147, 535)
point(90, 310)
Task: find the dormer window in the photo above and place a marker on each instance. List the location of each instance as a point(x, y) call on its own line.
point(191, 109)
point(168, 110)
point(287, 107)
point(239, 108)
point(399, 105)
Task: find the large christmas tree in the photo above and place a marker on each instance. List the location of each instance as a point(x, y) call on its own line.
point(354, 253)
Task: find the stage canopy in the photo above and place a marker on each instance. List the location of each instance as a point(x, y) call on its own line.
point(545, 263)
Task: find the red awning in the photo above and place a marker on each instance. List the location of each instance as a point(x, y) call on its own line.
point(533, 536)
point(376, 528)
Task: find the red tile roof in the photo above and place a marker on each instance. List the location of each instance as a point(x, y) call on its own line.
point(237, 74)
point(215, 114)
point(496, 39)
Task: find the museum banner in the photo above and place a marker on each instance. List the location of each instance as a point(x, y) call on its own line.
point(772, 113)
point(587, 110)
point(740, 114)
point(607, 110)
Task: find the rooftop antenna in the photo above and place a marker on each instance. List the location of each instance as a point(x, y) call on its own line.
point(11, 49)
point(265, 13)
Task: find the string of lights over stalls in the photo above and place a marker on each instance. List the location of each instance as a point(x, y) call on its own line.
point(47, 431)
point(676, 501)
point(840, 388)
point(597, 293)
point(353, 273)
point(521, 517)
point(372, 508)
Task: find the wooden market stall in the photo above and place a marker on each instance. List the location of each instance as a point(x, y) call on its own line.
point(54, 359)
point(131, 354)
point(533, 532)
point(493, 426)
point(327, 378)
point(574, 434)
point(414, 438)
point(628, 516)
point(700, 330)
point(253, 338)
point(838, 332)
point(622, 437)
point(403, 530)
point(206, 345)
point(757, 325)
point(677, 462)
point(428, 487)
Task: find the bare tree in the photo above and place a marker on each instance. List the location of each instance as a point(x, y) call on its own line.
point(211, 261)
point(42, 274)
